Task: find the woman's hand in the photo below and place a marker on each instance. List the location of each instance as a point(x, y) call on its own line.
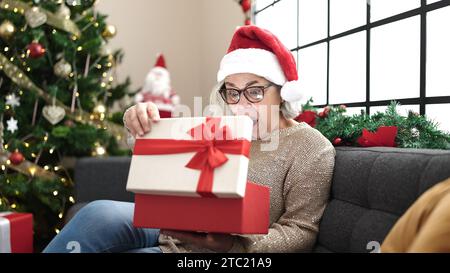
point(138, 118)
point(218, 242)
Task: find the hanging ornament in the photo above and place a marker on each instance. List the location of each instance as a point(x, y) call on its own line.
point(54, 114)
point(109, 32)
point(63, 12)
point(7, 30)
point(12, 125)
point(16, 157)
point(246, 5)
point(35, 17)
point(35, 50)
point(99, 112)
point(337, 141)
point(62, 68)
point(12, 100)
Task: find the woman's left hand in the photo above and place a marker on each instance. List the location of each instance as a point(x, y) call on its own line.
point(218, 242)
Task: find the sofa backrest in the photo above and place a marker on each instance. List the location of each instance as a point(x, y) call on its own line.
point(371, 189)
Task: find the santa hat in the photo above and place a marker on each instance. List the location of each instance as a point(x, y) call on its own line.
point(258, 51)
point(161, 62)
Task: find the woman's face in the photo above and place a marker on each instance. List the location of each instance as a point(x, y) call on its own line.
point(263, 113)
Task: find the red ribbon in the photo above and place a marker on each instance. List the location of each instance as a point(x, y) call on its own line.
point(210, 143)
point(384, 136)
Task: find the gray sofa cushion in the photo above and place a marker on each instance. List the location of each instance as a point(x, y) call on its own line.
point(371, 189)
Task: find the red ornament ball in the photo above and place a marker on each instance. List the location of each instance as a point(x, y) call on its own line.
point(35, 50)
point(322, 114)
point(337, 141)
point(246, 5)
point(16, 158)
point(343, 107)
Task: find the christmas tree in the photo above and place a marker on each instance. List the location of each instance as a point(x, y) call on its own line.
point(57, 82)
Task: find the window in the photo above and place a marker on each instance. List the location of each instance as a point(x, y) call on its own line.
point(366, 53)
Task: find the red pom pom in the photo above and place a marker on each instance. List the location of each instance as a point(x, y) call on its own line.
point(246, 5)
point(16, 158)
point(35, 50)
point(337, 141)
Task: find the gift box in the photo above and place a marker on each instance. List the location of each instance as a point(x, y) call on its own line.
point(16, 232)
point(191, 174)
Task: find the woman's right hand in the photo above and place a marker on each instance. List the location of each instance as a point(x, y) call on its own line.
point(138, 118)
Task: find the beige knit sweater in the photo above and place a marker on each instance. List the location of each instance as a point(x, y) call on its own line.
point(299, 175)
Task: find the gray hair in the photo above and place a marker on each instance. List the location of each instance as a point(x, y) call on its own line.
point(289, 110)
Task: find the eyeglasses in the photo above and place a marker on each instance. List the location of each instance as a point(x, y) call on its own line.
point(253, 94)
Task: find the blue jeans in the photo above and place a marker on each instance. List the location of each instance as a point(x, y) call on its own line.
point(104, 226)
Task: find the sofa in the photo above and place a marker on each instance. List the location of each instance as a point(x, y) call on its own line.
point(371, 189)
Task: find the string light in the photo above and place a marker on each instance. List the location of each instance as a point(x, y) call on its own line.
point(79, 48)
point(32, 170)
point(60, 215)
point(26, 144)
point(8, 162)
point(13, 206)
point(55, 193)
point(6, 49)
point(56, 168)
point(51, 150)
point(71, 199)
point(46, 167)
point(56, 230)
point(3, 167)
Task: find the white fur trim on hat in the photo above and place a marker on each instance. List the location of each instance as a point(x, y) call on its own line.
point(256, 61)
point(291, 91)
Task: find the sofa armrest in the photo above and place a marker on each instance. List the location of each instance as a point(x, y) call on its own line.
point(102, 178)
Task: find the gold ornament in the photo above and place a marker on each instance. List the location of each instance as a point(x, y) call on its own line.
point(109, 32)
point(54, 114)
point(99, 112)
point(35, 17)
point(7, 30)
point(62, 68)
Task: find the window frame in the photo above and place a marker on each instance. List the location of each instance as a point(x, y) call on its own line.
point(422, 101)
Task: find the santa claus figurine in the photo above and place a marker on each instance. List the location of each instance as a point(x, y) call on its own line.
point(157, 89)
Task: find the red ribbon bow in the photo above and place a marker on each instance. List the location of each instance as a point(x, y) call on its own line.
point(211, 144)
point(384, 136)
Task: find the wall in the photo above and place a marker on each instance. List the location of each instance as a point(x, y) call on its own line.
point(192, 34)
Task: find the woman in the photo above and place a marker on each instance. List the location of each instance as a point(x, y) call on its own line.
point(256, 76)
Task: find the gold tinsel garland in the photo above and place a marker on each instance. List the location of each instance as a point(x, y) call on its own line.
point(52, 19)
point(26, 167)
point(21, 80)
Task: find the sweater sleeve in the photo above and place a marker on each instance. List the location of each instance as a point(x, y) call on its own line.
point(306, 194)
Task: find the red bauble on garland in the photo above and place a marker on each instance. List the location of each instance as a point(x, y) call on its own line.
point(246, 5)
point(35, 50)
point(337, 141)
point(16, 157)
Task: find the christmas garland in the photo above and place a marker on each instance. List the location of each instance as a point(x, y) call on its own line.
point(389, 129)
point(51, 19)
